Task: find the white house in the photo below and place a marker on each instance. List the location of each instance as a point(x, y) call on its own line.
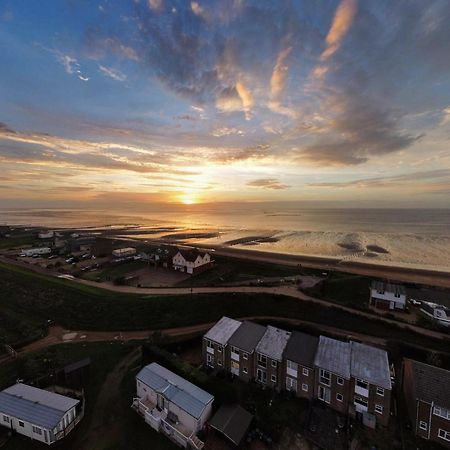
point(172, 405)
point(387, 296)
point(39, 414)
point(35, 251)
point(191, 261)
point(46, 234)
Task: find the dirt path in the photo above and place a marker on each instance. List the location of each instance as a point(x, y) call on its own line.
point(105, 427)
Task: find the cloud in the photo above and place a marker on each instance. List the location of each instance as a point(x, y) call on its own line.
point(98, 44)
point(246, 97)
point(155, 5)
point(279, 74)
point(342, 22)
point(267, 183)
point(115, 74)
point(227, 131)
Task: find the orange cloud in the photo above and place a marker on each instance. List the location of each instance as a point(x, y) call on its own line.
point(279, 74)
point(246, 97)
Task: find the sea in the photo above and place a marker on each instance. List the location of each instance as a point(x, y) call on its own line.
point(402, 237)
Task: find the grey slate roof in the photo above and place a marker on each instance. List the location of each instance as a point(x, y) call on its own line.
point(37, 406)
point(333, 356)
point(370, 364)
point(301, 348)
point(232, 421)
point(247, 336)
point(431, 384)
point(273, 342)
point(177, 390)
point(388, 287)
point(223, 330)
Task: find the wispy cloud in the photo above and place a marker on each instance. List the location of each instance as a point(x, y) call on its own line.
point(115, 74)
point(267, 183)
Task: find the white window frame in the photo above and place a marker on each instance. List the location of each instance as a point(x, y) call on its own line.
point(423, 425)
point(363, 384)
point(273, 378)
point(379, 409)
point(274, 364)
point(21, 423)
point(37, 430)
point(340, 381)
point(380, 391)
point(339, 397)
point(219, 362)
point(441, 412)
point(234, 350)
point(209, 344)
point(262, 361)
point(292, 365)
point(245, 355)
point(220, 348)
point(6, 418)
point(325, 377)
point(444, 434)
point(245, 370)
point(305, 371)
point(305, 387)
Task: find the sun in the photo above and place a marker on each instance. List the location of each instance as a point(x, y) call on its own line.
point(188, 198)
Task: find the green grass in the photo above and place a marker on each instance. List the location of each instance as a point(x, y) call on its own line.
point(16, 241)
point(115, 271)
point(345, 289)
point(32, 299)
point(230, 270)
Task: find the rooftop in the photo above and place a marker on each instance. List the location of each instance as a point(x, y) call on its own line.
point(334, 356)
point(301, 348)
point(184, 394)
point(273, 342)
point(191, 254)
point(388, 287)
point(370, 364)
point(430, 383)
point(247, 336)
point(232, 421)
point(223, 330)
point(37, 406)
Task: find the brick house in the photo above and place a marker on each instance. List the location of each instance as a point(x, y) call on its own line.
point(370, 387)
point(298, 364)
point(215, 349)
point(332, 374)
point(427, 395)
point(268, 357)
point(242, 345)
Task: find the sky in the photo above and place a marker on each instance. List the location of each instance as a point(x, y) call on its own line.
point(145, 102)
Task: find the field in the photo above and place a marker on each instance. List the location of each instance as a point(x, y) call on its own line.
point(30, 300)
point(115, 271)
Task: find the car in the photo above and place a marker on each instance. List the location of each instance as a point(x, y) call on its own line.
point(415, 302)
point(69, 260)
point(52, 256)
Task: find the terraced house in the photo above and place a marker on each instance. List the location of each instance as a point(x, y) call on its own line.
point(427, 393)
point(349, 377)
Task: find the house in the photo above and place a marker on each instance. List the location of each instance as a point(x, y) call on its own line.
point(46, 234)
point(215, 344)
point(172, 405)
point(191, 261)
point(332, 374)
point(299, 357)
point(427, 395)
point(39, 414)
point(387, 296)
point(124, 252)
point(269, 357)
point(439, 314)
point(242, 345)
point(370, 387)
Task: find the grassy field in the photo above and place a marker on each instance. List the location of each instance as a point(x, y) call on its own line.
point(230, 270)
point(345, 289)
point(33, 299)
point(17, 240)
point(115, 271)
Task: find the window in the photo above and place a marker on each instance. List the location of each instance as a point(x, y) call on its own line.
point(379, 409)
point(262, 360)
point(423, 425)
point(361, 401)
point(220, 349)
point(273, 378)
point(219, 362)
point(274, 363)
point(292, 365)
point(245, 370)
point(6, 419)
point(245, 355)
point(339, 397)
point(209, 344)
point(444, 434)
point(441, 412)
point(234, 350)
point(291, 384)
point(380, 391)
point(362, 384)
point(325, 377)
point(37, 430)
point(304, 387)
point(21, 424)
point(340, 381)
point(305, 372)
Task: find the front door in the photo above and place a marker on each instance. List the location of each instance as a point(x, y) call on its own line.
point(324, 394)
point(162, 403)
point(261, 376)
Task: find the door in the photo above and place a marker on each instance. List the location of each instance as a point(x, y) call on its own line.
point(234, 367)
point(324, 394)
point(162, 403)
point(261, 376)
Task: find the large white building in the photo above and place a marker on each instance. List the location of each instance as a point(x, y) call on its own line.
point(35, 251)
point(387, 296)
point(39, 414)
point(172, 405)
point(191, 261)
point(124, 252)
